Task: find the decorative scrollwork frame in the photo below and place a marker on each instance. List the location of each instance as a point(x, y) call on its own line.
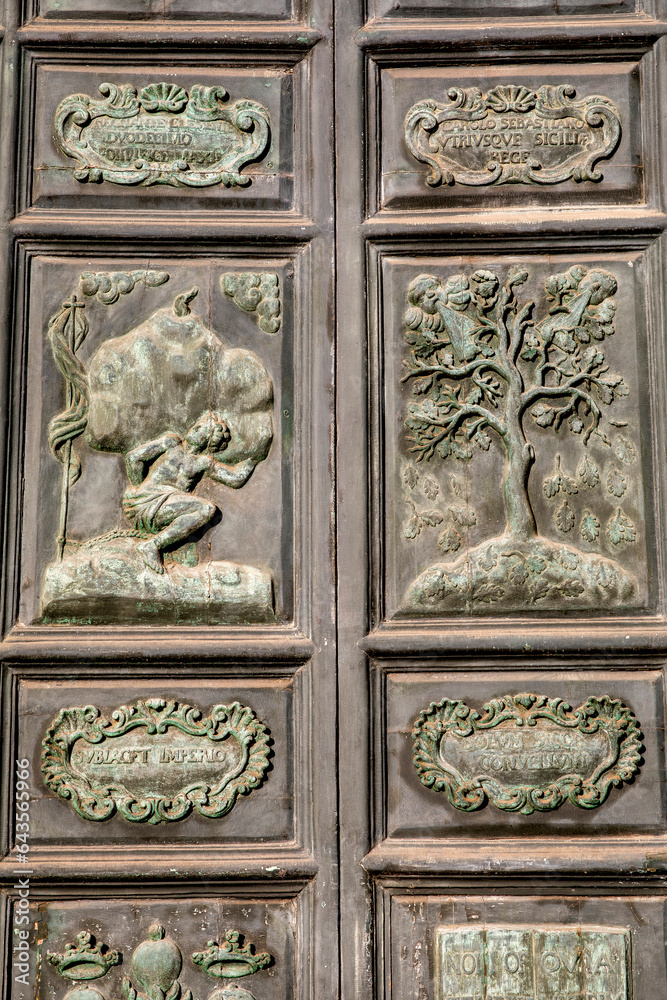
point(100, 801)
point(596, 715)
point(425, 139)
point(247, 125)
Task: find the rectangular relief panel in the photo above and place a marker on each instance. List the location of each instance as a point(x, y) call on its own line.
point(159, 444)
point(156, 137)
point(159, 761)
point(507, 8)
point(142, 949)
point(480, 754)
point(517, 435)
point(158, 10)
point(535, 961)
point(515, 136)
point(495, 947)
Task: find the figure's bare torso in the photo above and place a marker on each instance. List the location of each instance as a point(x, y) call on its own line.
point(179, 468)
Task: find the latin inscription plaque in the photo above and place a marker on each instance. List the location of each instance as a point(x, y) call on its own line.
point(527, 753)
point(161, 135)
point(154, 761)
point(513, 135)
point(536, 963)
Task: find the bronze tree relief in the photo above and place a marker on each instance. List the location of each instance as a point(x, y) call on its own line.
point(483, 368)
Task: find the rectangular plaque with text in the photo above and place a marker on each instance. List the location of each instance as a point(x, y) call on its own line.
point(532, 963)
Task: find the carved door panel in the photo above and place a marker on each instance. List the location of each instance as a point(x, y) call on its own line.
point(197, 722)
point(168, 824)
point(500, 244)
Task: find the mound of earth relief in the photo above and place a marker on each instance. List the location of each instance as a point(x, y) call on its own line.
point(505, 575)
point(109, 582)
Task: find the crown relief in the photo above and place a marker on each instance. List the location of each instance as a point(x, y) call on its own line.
point(157, 964)
point(231, 959)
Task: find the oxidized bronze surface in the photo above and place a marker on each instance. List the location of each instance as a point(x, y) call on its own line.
point(481, 963)
point(527, 752)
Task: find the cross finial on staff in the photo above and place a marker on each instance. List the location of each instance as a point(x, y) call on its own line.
point(74, 304)
point(70, 320)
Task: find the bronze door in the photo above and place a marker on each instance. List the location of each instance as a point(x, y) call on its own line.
point(500, 243)
point(169, 643)
point(333, 617)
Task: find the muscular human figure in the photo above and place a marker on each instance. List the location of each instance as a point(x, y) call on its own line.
point(160, 499)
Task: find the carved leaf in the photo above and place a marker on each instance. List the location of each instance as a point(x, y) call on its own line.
point(543, 415)
point(457, 486)
point(540, 591)
point(536, 564)
point(431, 488)
point(560, 482)
point(616, 482)
point(410, 476)
point(620, 528)
point(552, 486)
point(482, 440)
point(564, 517)
point(488, 593)
point(625, 451)
point(518, 572)
point(589, 527)
point(568, 485)
point(605, 392)
point(449, 540)
point(431, 517)
point(489, 559)
point(412, 527)
point(464, 516)
point(588, 472)
point(174, 992)
point(569, 560)
point(568, 588)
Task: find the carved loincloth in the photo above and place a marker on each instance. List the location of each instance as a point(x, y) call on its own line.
point(141, 505)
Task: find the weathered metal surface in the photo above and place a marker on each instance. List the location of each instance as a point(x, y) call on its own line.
point(155, 761)
point(111, 135)
point(206, 759)
point(519, 9)
point(526, 752)
point(140, 11)
point(205, 411)
point(161, 135)
point(513, 135)
point(481, 963)
point(194, 420)
point(454, 136)
point(521, 456)
point(152, 961)
point(256, 293)
point(480, 764)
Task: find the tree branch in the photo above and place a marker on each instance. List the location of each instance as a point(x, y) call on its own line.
point(462, 412)
point(539, 392)
point(456, 373)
